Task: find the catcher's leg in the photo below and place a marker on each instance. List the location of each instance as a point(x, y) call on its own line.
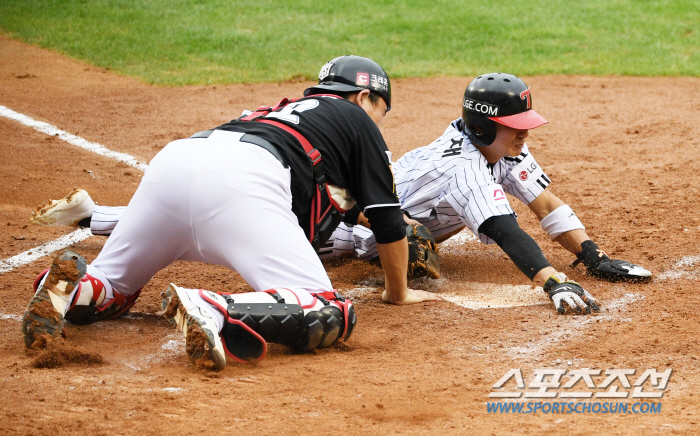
point(253, 319)
point(105, 218)
point(243, 219)
point(96, 300)
point(78, 209)
point(255, 232)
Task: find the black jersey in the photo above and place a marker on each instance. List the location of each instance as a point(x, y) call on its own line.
point(354, 154)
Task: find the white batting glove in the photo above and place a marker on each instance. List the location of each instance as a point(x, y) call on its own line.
point(566, 293)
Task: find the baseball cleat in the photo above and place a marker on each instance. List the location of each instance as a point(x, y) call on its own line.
point(203, 343)
point(43, 321)
point(68, 211)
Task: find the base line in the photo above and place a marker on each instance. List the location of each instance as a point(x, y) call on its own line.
point(72, 139)
point(44, 250)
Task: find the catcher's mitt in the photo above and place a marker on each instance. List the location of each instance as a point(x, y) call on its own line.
point(423, 258)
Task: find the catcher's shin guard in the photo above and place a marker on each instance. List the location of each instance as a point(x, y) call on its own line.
point(44, 319)
point(253, 319)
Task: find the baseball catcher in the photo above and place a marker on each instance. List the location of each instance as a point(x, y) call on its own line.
point(278, 165)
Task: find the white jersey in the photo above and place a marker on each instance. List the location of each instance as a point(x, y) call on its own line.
point(449, 183)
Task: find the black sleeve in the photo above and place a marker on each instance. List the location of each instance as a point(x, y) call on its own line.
point(518, 245)
point(373, 178)
point(387, 224)
point(350, 217)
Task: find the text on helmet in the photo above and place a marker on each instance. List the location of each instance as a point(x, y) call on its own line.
point(477, 106)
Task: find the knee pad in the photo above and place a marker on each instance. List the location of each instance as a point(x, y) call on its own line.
point(329, 318)
point(253, 319)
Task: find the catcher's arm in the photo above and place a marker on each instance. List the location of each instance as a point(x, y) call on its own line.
point(423, 258)
point(355, 217)
point(393, 253)
point(394, 258)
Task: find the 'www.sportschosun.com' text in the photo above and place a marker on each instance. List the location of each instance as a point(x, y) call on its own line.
point(567, 407)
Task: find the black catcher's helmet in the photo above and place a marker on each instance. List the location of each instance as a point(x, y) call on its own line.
point(352, 74)
point(497, 98)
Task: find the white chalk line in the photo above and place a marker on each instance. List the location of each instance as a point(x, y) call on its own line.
point(43, 250)
point(77, 236)
point(72, 139)
point(687, 267)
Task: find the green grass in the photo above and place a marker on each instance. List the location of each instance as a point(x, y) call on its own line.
point(177, 42)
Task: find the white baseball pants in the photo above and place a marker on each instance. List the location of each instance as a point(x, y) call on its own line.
point(213, 200)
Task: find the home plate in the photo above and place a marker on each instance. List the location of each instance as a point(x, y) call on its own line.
point(474, 295)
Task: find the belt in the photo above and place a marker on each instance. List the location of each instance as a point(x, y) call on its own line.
point(251, 139)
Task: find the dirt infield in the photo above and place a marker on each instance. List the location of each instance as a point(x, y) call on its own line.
point(619, 150)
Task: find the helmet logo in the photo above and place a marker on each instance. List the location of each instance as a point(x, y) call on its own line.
point(325, 71)
point(362, 79)
point(525, 95)
point(523, 175)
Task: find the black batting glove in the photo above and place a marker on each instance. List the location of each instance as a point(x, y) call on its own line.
point(599, 265)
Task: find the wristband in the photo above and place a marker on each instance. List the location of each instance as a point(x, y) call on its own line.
point(560, 220)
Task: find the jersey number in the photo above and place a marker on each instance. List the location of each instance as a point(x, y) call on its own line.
point(286, 113)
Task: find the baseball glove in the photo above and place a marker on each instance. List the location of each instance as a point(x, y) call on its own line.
point(599, 265)
point(423, 258)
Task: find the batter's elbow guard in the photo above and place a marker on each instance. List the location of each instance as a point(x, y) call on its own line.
point(253, 319)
